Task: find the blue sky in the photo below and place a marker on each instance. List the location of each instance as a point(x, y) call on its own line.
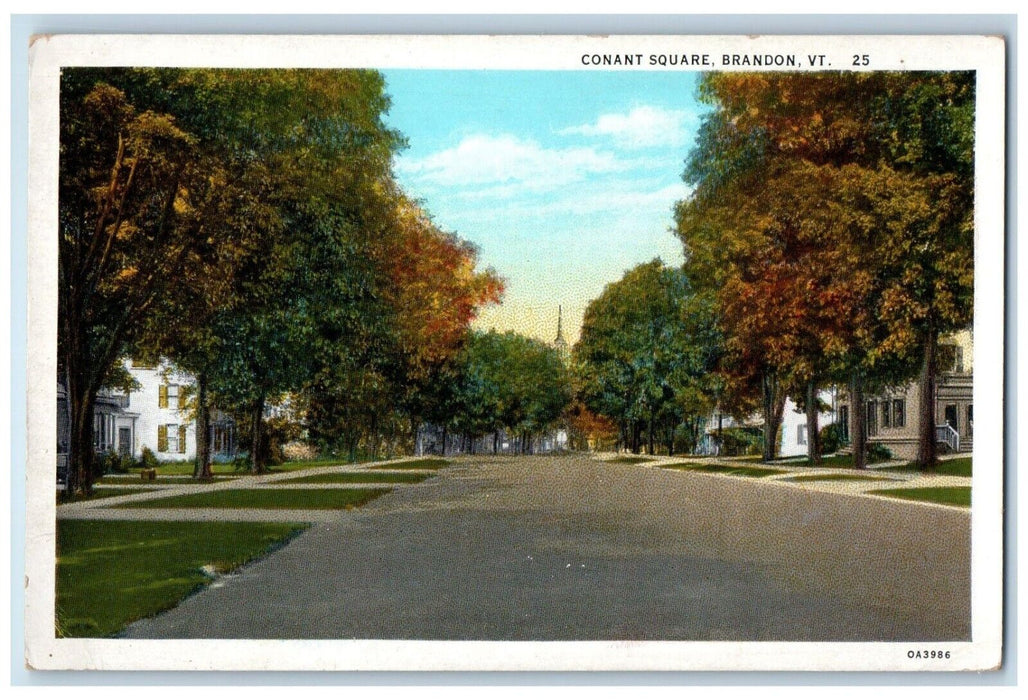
point(564, 179)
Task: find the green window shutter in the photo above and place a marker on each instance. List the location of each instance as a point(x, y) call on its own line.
point(181, 397)
point(162, 397)
point(162, 438)
point(181, 437)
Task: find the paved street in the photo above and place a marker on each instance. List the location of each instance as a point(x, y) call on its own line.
point(570, 548)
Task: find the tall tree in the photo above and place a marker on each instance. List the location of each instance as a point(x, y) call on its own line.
point(151, 157)
point(802, 176)
point(130, 224)
point(643, 350)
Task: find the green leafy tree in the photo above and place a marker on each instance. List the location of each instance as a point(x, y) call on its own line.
point(644, 354)
point(131, 204)
point(513, 383)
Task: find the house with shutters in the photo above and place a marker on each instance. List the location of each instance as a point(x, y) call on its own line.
point(162, 411)
point(156, 414)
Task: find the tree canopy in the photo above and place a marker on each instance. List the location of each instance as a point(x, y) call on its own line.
point(246, 225)
point(645, 353)
point(832, 222)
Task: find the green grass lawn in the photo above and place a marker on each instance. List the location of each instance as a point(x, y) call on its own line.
point(364, 477)
point(947, 495)
point(427, 463)
point(723, 469)
point(110, 573)
point(134, 480)
point(101, 492)
point(185, 468)
point(299, 499)
point(837, 477)
point(961, 466)
point(833, 462)
point(629, 460)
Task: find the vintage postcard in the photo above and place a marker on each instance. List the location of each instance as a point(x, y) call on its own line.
point(516, 353)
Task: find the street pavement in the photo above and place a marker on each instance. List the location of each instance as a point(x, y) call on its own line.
point(574, 548)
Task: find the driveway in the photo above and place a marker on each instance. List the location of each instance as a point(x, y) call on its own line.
point(571, 548)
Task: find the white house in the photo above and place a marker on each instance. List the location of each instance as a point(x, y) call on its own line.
point(159, 414)
point(794, 438)
point(160, 411)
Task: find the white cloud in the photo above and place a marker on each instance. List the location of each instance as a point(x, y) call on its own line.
point(482, 159)
point(641, 127)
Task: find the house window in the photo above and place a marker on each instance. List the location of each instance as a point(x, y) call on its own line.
point(171, 438)
point(872, 418)
point(886, 414)
point(970, 421)
point(801, 435)
point(899, 410)
point(171, 395)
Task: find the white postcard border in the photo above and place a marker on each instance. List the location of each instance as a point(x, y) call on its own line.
point(49, 54)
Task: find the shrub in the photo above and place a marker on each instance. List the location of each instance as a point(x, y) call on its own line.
point(147, 459)
point(831, 438)
point(737, 442)
point(103, 463)
point(112, 462)
point(877, 452)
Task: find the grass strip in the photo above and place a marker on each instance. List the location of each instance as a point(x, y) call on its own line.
point(110, 573)
point(358, 478)
point(833, 462)
point(292, 499)
point(755, 472)
point(99, 493)
point(945, 495)
point(836, 477)
point(428, 463)
point(629, 460)
point(961, 466)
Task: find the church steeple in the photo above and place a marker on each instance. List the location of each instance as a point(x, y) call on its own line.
point(560, 343)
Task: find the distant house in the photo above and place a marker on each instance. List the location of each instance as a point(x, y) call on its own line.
point(792, 439)
point(892, 417)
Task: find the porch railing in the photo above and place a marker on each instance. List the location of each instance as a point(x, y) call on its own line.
point(946, 434)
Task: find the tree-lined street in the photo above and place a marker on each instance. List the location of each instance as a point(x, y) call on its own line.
point(571, 547)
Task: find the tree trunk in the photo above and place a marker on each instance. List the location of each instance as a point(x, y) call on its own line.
point(496, 440)
point(256, 435)
point(926, 444)
point(444, 440)
point(416, 430)
point(81, 404)
point(857, 408)
point(80, 446)
point(202, 467)
point(769, 398)
point(636, 437)
point(649, 435)
point(813, 441)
